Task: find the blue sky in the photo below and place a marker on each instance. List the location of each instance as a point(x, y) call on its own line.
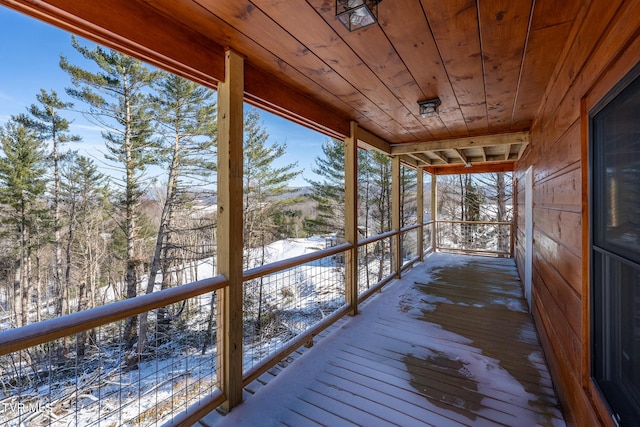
point(29, 54)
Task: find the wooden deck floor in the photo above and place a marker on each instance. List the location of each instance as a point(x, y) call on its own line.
point(450, 344)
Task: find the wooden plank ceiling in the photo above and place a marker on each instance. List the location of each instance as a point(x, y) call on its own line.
point(489, 61)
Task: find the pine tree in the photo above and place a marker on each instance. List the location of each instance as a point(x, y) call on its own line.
point(328, 193)
point(117, 101)
point(84, 194)
point(50, 126)
point(408, 200)
point(265, 189)
point(265, 184)
point(379, 207)
point(381, 175)
point(186, 119)
point(23, 184)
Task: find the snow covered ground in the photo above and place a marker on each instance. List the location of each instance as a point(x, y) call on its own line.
point(111, 386)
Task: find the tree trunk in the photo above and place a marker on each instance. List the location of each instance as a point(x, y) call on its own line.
point(17, 292)
point(130, 330)
point(62, 294)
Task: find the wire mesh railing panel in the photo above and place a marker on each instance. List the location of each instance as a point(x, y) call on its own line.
point(97, 378)
point(280, 306)
point(427, 233)
point(374, 263)
point(409, 243)
point(486, 237)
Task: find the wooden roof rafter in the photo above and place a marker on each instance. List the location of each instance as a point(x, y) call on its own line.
point(441, 156)
point(465, 142)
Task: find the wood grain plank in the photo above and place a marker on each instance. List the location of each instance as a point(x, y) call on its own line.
point(312, 31)
point(133, 28)
point(550, 26)
point(252, 32)
point(589, 54)
point(578, 410)
point(559, 155)
point(405, 20)
point(386, 64)
point(543, 50)
point(397, 367)
point(560, 293)
point(504, 27)
point(404, 412)
point(561, 259)
point(562, 226)
point(454, 25)
point(566, 344)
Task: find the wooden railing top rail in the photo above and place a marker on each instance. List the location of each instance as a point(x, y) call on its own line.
point(17, 339)
point(453, 221)
point(410, 227)
point(275, 267)
point(376, 238)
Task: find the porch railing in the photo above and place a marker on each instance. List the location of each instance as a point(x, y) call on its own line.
point(287, 303)
point(175, 380)
point(107, 383)
point(475, 237)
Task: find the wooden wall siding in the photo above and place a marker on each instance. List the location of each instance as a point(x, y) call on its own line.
point(604, 32)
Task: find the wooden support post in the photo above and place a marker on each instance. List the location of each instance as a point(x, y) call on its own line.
point(396, 252)
point(434, 211)
point(351, 216)
point(514, 218)
point(229, 230)
point(420, 203)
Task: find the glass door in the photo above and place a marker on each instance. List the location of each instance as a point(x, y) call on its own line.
point(615, 245)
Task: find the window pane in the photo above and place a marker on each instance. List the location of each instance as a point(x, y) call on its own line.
point(617, 171)
point(617, 334)
point(616, 252)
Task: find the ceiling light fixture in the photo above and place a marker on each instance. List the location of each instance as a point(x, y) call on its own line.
point(429, 107)
point(356, 14)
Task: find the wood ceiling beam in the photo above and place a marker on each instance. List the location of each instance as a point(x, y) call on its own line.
point(369, 141)
point(422, 158)
point(460, 169)
point(523, 147)
point(461, 155)
point(441, 156)
point(466, 142)
point(144, 34)
point(507, 151)
point(408, 160)
point(484, 154)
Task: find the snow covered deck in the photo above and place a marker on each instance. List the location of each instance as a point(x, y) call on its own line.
point(449, 344)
